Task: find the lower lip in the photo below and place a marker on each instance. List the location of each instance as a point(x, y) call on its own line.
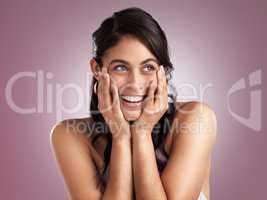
point(131, 105)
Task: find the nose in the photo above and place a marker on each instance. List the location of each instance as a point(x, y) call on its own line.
point(136, 83)
point(135, 79)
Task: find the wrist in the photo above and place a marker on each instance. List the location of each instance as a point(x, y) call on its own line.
point(141, 126)
point(122, 136)
point(140, 133)
point(121, 143)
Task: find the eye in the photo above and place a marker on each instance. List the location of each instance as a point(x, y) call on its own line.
point(149, 67)
point(119, 67)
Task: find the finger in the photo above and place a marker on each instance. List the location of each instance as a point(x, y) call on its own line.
point(103, 105)
point(106, 90)
point(164, 83)
point(99, 91)
point(114, 94)
point(150, 95)
point(165, 91)
point(164, 79)
point(161, 93)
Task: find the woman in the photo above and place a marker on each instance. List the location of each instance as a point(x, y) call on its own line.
point(137, 143)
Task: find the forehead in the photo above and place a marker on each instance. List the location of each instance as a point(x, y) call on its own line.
point(130, 49)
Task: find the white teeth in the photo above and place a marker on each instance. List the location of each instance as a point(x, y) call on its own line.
point(133, 98)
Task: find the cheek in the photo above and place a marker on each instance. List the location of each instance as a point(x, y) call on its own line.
point(153, 80)
point(119, 81)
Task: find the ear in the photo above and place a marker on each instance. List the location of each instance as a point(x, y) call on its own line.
point(95, 68)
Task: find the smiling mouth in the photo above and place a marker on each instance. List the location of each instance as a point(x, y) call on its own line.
point(133, 99)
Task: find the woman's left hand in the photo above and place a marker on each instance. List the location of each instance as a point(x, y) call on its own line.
point(155, 105)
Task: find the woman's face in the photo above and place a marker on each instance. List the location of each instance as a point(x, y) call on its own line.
point(132, 66)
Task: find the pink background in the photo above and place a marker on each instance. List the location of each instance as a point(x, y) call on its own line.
point(211, 42)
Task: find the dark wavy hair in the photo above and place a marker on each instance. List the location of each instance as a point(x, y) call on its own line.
point(140, 24)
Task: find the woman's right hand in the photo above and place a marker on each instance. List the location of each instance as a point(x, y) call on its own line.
point(109, 106)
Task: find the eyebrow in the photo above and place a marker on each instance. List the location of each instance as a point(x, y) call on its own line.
point(127, 63)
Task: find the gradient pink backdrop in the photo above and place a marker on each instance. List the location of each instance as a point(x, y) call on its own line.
point(211, 42)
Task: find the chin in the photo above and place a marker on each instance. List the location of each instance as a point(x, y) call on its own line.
point(131, 115)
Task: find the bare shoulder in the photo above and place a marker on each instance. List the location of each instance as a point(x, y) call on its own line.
point(194, 106)
point(71, 148)
point(80, 126)
point(71, 130)
point(196, 111)
point(189, 117)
